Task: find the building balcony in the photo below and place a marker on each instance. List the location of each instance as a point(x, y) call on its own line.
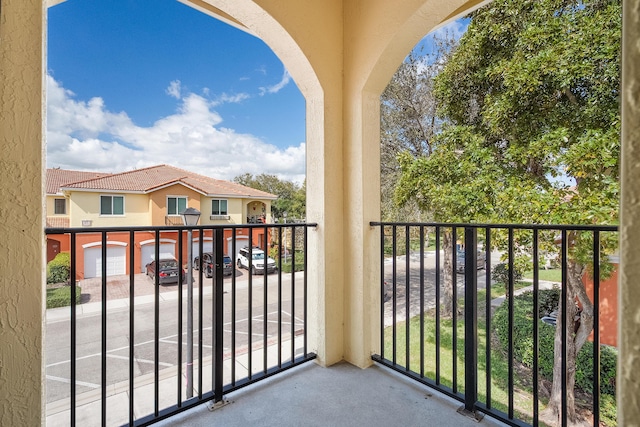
point(135, 351)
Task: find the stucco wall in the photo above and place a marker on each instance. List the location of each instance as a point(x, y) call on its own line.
point(50, 210)
point(629, 295)
point(86, 206)
point(22, 243)
point(340, 74)
point(158, 201)
point(234, 209)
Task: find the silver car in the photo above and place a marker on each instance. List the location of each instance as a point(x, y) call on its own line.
point(481, 260)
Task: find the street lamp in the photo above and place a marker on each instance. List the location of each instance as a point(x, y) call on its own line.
point(190, 217)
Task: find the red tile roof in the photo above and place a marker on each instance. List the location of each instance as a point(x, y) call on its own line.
point(57, 178)
point(153, 178)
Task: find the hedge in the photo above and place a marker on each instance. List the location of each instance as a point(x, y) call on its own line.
point(286, 266)
point(59, 268)
point(523, 342)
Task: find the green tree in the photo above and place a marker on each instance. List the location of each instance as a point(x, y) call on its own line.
point(531, 99)
point(408, 126)
point(408, 122)
point(291, 196)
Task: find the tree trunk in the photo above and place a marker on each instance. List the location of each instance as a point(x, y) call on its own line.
point(578, 327)
point(448, 275)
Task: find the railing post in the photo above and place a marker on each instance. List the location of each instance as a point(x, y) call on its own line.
point(218, 321)
point(470, 324)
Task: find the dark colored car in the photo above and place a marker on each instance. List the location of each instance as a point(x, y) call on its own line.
point(207, 264)
point(167, 269)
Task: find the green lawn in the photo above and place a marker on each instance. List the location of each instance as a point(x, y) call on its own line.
point(499, 366)
point(61, 297)
point(498, 289)
point(552, 275)
point(523, 377)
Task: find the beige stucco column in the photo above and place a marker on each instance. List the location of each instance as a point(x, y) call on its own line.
point(378, 36)
point(21, 207)
point(629, 295)
point(307, 36)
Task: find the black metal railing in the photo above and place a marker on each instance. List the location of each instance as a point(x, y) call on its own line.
point(170, 347)
point(422, 313)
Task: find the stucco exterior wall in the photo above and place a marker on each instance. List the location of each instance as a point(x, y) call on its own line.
point(341, 53)
point(629, 296)
point(234, 208)
point(86, 206)
point(22, 208)
point(50, 208)
point(308, 37)
point(158, 201)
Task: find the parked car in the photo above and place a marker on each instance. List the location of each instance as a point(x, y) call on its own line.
point(208, 261)
point(167, 269)
point(481, 260)
point(258, 259)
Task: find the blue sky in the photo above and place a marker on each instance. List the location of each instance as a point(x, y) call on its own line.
point(131, 85)
point(135, 83)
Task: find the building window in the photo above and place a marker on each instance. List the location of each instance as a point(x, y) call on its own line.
point(176, 205)
point(111, 205)
point(60, 207)
point(219, 207)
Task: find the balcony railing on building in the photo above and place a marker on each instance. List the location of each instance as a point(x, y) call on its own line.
point(472, 350)
point(243, 330)
point(493, 350)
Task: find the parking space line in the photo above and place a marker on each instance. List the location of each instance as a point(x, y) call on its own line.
point(246, 333)
point(115, 356)
point(68, 381)
point(183, 343)
point(297, 318)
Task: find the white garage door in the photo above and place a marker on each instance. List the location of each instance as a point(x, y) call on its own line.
point(116, 261)
point(241, 242)
point(207, 246)
point(148, 253)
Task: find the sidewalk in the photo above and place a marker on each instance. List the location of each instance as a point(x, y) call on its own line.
point(497, 302)
point(64, 313)
point(144, 288)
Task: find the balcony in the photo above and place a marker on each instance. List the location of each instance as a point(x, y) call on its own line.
point(133, 352)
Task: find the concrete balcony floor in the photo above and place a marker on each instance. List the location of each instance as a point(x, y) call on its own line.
point(341, 395)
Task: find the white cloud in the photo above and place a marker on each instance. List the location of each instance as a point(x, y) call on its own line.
point(87, 136)
point(455, 29)
point(231, 99)
point(174, 89)
point(278, 86)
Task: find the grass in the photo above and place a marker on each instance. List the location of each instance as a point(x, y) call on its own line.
point(499, 366)
point(498, 289)
point(61, 297)
point(552, 275)
point(499, 374)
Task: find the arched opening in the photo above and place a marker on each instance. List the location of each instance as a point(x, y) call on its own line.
point(500, 98)
point(343, 102)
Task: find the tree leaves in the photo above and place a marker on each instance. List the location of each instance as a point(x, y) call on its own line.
point(291, 196)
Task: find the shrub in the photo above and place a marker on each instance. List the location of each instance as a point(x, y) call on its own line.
point(548, 301)
point(286, 266)
point(608, 410)
point(500, 273)
point(59, 268)
point(523, 343)
point(61, 297)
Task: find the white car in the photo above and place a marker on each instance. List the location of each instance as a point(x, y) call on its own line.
point(258, 258)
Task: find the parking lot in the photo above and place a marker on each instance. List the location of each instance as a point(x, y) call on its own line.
point(118, 286)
